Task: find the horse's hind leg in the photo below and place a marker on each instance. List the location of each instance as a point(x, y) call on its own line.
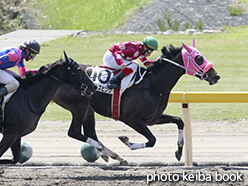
point(139, 126)
point(6, 142)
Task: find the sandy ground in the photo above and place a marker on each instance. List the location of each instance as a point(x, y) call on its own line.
point(219, 149)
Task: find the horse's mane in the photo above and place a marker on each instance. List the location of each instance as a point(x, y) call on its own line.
point(167, 52)
point(44, 70)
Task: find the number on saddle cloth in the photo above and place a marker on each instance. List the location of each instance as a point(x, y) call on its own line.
point(101, 76)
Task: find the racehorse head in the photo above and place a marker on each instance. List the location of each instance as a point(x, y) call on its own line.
point(197, 65)
point(84, 84)
point(70, 73)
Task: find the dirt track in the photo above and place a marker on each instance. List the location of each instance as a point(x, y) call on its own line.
point(218, 148)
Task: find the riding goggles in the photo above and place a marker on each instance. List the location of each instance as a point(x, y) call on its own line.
point(149, 51)
point(32, 54)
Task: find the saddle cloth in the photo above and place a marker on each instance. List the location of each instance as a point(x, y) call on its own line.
point(101, 75)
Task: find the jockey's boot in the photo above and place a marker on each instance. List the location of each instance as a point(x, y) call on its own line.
point(114, 82)
point(3, 92)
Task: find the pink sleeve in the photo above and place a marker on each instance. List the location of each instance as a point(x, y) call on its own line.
point(23, 71)
point(12, 56)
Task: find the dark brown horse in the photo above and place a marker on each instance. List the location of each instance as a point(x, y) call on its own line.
point(143, 104)
point(24, 109)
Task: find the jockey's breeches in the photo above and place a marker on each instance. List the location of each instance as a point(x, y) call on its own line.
point(109, 61)
point(10, 82)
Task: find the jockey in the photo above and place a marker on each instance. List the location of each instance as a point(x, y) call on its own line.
point(122, 55)
point(10, 57)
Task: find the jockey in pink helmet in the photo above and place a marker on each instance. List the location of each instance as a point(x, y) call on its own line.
point(122, 54)
point(10, 57)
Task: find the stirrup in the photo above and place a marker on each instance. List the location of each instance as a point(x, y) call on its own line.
point(113, 86)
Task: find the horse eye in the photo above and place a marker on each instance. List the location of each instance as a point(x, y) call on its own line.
point(199, 60)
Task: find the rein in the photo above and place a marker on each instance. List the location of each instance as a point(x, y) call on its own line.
point(83, 86)
point(200, 71)
point(142, 75)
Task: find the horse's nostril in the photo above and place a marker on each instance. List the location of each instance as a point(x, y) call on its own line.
point(217, 77)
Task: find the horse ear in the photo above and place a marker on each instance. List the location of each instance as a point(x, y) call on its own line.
point(193, 43)
point(187, 48)
point(68, 60)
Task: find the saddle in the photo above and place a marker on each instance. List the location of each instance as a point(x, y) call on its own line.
point(101, 75)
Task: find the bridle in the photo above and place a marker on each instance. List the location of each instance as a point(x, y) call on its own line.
point(190, 66)
point(197, 70)
point(83, 87)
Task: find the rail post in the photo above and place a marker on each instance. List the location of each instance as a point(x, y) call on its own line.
point(188, 134)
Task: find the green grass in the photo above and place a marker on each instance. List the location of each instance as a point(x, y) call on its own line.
point(243, 1)
point(97, 15)
point(227, 51)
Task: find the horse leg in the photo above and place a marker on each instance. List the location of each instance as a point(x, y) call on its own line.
point(139, 126)
point(82, 114)
point(89, 125)
point(79, 116)
point(173, 119)
point(16, 151)
point(6, 142)
point(89, 130)
point(115, 156)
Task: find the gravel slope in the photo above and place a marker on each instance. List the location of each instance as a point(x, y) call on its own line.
point(213, 13)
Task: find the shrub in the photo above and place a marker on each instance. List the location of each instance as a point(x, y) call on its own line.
point(10, 16)
point(171, 25)
point(235, 9)
point(199, 25)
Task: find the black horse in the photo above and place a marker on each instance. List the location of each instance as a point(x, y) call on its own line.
point(28, 103)
point(143, 104)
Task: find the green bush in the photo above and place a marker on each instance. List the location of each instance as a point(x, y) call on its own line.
point(236, 9)
point(161, 25)
point(171, 25)
point(10, 17)
point(199, 25)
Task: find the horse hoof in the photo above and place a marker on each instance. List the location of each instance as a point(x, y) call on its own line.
point(178, 155)
point(124, 163)
point(124, 139)
point(105, 158)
